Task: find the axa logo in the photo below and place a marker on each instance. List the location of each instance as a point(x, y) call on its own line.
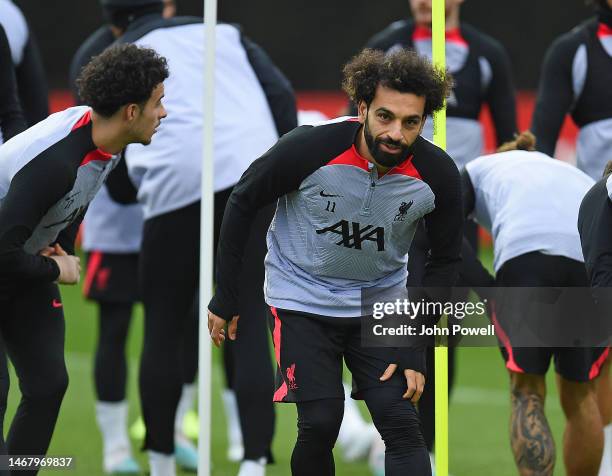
point(353, 235)
point(403, 210)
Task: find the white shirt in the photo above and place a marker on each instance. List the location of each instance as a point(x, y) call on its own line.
point(168, 170)
point(529, 202)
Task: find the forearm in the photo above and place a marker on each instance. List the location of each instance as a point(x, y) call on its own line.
point(233, 238)
point(17, 266)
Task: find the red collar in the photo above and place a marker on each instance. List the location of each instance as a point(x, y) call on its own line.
point(604, 30)
point(452, 36)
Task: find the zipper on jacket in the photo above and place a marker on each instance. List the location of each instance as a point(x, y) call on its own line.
point(365, 210)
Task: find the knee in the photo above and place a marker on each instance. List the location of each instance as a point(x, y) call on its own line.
point(577, 397)
point(527, 386)
point(51, 387)
point(322, 424)
point(400, 427)
point(112, 337)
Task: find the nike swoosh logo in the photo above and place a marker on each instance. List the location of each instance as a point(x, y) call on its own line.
point(323, 194)
point(56, 304)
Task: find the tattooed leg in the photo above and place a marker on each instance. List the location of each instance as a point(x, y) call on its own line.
point(583, 437)
point(532, 442)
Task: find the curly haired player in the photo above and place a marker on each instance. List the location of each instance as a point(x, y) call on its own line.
point(48, 175)
point(339, 186)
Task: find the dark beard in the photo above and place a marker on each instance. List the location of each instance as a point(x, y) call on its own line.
point(381, 157)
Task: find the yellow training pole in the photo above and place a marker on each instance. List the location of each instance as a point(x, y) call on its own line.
point(441, 351)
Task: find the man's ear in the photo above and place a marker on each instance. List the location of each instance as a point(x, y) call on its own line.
point(131, 111)
point(362, 110)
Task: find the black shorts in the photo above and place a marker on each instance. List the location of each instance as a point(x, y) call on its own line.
point(536, 269)
point(309, 351)
point(112, 277)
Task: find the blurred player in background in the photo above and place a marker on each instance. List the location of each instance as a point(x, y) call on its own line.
point(595, 227)
point(483, 76)
point(12, 121)
point(48, 176)
point(254, 105)
point(575, 80)
point(112, 234)
point(11, 124)
point(336, 231)
point(515, 193)
point(31, 78)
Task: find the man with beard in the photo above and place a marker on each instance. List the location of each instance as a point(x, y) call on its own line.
point(350, 194)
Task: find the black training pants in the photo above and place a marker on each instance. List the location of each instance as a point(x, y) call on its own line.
point(32, 331)
point(169, 279)
point(395, 418)
point(110, 367)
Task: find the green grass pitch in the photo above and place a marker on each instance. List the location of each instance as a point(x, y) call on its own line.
point(479, 409)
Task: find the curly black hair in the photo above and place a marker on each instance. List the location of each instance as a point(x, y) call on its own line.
point(122, 74)
point(403, 70)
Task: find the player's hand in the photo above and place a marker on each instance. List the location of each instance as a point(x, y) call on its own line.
point(415, 382)
point(48, 251)
point(69, 266)
point(216, 328)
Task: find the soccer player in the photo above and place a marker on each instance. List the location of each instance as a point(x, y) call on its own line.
point(595, 227)
point(482, 72)
point(12, 121)
point(254, 105)
point(575, 80)
point(481, 69)
point(343, 224)
point(516, 194)
point(48, 176)
point(112, 234)
point(29, 70)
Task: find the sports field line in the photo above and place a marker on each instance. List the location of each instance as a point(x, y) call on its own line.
point(491, 397)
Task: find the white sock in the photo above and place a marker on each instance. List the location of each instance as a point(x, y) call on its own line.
point(161, 464)
point(606, 461)
point(112, 420)
point(234, 433)
point(352, 421)
point(185, 404)
point(253, 468)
